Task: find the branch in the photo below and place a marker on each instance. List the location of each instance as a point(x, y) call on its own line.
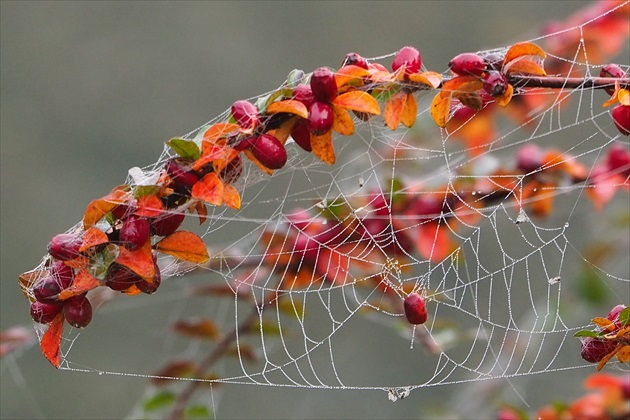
point(558, 82)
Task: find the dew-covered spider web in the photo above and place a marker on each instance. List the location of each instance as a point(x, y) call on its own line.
point(507, 222)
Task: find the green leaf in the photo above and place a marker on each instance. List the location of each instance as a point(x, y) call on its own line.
point(197, 412)
point(278, 95)
point(144, 190)
point(160, 400)
point(587, 333)
point(624, 317)
point(396, 189)
point(185, 148)
point(294, 78)
point(386, 92)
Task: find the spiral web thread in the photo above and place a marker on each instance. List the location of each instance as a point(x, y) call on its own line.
point(502, 304)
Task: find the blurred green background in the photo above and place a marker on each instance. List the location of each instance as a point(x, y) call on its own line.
point(90, 89)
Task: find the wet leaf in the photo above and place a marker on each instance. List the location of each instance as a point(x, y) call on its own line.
point(101, 206)
point(83, 282)
point(140, 261)
point(523, 48)
point(505, 99)
point(429, 78)
point(51, 340)
point(525, 67)
point(342, 122)
point(159, 401)
point(149, 206)
point(440, 109)
point(219, 130)
point(290, 106)
point(185, 148)
point(323, 148)
point(210, 151)
point(350, 74)
point(198, 328)
point(358, 101)
point(184, 245)
point(231, 197)
point(209, 189)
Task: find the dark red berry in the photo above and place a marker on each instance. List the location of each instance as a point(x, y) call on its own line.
point(245, 144)
point(149, 288)
point(304, 94)
point(301, 135)
point(181, 174)
point(269, 151)
point(618, 159)
point(323, 84)
point(124, 209)
point(64, 246)
point(135, 232)
point(614, 71)
point(166, 223)
point(427, 207)
point(78, 311)
point(621, 118)
point(232, 172)
point(120, 278)
point(467, 64)
point(495, 83)
point(320, 118)
point(355, 60)
point(415, 309)
point(246, 114)
point(529, 158)
point(594, 349)
point(45, 312)
point(493, 61)
point(58, 278)
point(62, 274)
point(408, 57)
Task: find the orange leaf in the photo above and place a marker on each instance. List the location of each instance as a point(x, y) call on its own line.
point(602, 322)
point(140, 261)
point(323, 148)
point(623, 354)
point(210, 151)
point(505, 99)
point(282, 132)
point(253, 158)
point(202, 210)
point(290, 106)
point(609, 356)
point(132, 290)
point(393, 109)
point(231, 197)
point(101, 206)
point(184, 245)
point(350, 73)
point(440, 109)
point(198, 328)
point(429, 78)
point(149, 206)
point(219, 130)
point(521, 49)
point(342, 122)
point(51, 340)
point(461, 84)
point(209, 189)
point(82, 283)
point(410, 110)
point(624, 97)
point(92, 237)
point(357, 100)
point(525, 67)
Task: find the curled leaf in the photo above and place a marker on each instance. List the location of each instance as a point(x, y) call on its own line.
point(51, 340)
point(185, 148)
point(525, 67)
point(290, 106)
point(359, 101)
point(101, 206)
point(410, 111)
point(429, 78)
point(505, 99)
point(82, 283)
point(255, 160)
point(184, 245)
point(140, 261)
point(93, 237)
point(461, 84)
point(350, 73)
point(219, 130)
point(523, 48)
point(323, 148)
point(342, 122)
point(440, 109)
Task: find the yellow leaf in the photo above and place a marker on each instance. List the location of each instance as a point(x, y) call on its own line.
point(342, 122)
point(429, 78)
point(323, 148)
point(357, 100)
point(523, 48)
point(350, 73)
point(184, 245)
point(410, 110)
point(624, 97)
point(524, 67)
point(440, 109)
point(461, 84)
point(231, 197)
point(623, 354)
point(290, 106)
point(601, 322)
point(505, 99)
point(282, 132)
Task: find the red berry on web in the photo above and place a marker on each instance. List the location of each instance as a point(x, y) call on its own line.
point(269, 151)
point(64, 246)
point(180, 173)
point(320, 118)
point(618, 159)
point(415, 309)
point(120, 278)
point(594, 349)
point(135, 232)
point(611, 70)
point(301, 135)
point(323, 84)
point(304, 94)
point(78, 311)
point(246, 114)
point(495, 83)
point(45, 312)
point(410, 58)
point(621, 118)
point(166, 223)
point(355, 60)
point(467, 64)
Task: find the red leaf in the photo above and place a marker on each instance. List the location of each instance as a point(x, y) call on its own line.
point(140, 261)
point(357, 100)
point(149, 206)
point(209, 189)
point(210, 151)
point(290, 106)
point(342, 122)
point(82, 283)
point(101, 206)
point(92, 237)
point(184, 245)
point(323, 148)
point(51, 340)
point(198, 328)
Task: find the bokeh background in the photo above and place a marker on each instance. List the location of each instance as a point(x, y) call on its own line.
point(90, 89)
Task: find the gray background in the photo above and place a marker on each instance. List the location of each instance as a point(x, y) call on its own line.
point(90, 89)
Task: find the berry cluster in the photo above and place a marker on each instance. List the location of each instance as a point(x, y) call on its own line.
point(613, 335)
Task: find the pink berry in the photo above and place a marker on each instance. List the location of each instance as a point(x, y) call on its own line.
point(618, 159)
point(120, 278)
point(320, 118)
point(467, 64)
point(408, 57)
point(613, 315)
point(78, 311)
point(181, 174)
point(246, 114)
point(45, 312)
point(269, 151)
point(304, 94)
point(621, 118)
point(415, 309)
point(64, 246)
point(495, 83)
point(135, 232)
point(529, 158)
point(301, 135)
point(355, 60)
point(614, 71)
point(323, 84)
point(167, 223)
point(594, 349)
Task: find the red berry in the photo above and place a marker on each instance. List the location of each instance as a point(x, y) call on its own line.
point(323, 84)
point(467, 63)
point(304, 94)
point(58, 278)
point(64, 246)
point(124, 209)
point(120, 278)
point(320, 118)
point(246, 114)
point(149, 288)
point(619, 159)
point(135, 232)
point(181, 174)
point(269, 151)
point(245, 144)
point(355, 60)
point(428, 207)
point(166, 223)
point(493, 61)
point(495, 83)
point(408, 57)
point(415, 309)
point(594, 349)
point(232, 172)
point(529, 158)
point(78, 311)
point(611, 70)
point(45, 312)
point(621, 118)
point(301, 135)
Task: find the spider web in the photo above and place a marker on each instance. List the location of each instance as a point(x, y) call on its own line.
point(309, 276)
